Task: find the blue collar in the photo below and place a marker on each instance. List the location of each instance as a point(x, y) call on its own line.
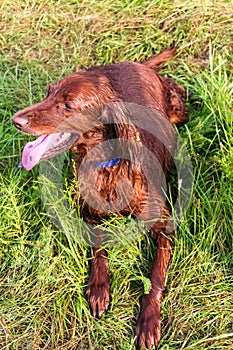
point(110, 162)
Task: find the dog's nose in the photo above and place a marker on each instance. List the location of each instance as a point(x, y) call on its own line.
point(20, 121)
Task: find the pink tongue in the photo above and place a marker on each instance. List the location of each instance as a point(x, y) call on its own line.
point(33, 151)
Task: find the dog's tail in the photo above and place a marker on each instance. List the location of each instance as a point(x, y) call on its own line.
point(157, 61)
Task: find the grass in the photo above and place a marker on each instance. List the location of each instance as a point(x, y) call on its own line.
point(43, 271)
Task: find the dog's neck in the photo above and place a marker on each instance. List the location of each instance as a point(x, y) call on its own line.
point(108, 163)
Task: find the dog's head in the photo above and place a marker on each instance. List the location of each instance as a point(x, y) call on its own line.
point(76, 93)
point(71, 108)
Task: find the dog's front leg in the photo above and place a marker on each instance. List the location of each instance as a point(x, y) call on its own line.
point(148, 326)
point(99, 283)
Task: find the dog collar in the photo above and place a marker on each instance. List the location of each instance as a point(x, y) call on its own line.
point(110, 162)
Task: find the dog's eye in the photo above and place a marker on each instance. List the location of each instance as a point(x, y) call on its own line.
point(68, 106)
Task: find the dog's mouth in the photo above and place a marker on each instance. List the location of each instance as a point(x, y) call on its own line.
point(45, 147)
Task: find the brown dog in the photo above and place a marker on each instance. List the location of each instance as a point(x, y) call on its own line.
point(92, 107)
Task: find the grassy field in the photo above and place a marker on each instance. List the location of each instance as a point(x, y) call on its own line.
point(43, 271)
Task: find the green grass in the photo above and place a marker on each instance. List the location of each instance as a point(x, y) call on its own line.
point(44, 271)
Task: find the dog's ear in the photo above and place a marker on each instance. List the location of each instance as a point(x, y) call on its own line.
point(123, 133)
point(118, 123)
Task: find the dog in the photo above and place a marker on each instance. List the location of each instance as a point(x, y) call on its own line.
point(93, 107)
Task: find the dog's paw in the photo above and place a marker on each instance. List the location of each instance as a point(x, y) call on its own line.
point(148, 327)
point(98, 297)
